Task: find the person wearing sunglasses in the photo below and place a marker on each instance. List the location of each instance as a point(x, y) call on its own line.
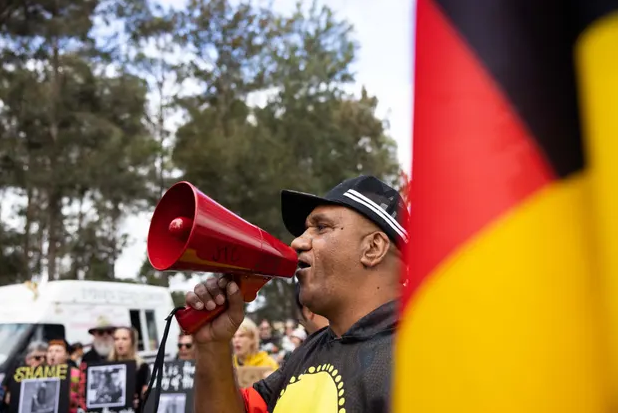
point(185, 348)
point(35, 356)
point(102, 342)
point(37, 351)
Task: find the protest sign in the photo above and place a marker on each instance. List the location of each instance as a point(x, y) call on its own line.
point(176, 388)
point(247, 376)
point(42, 389)
point(108, 386)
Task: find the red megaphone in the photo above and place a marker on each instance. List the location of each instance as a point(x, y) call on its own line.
point(191, 231)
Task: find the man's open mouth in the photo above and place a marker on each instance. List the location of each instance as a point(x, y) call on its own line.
point(303, 265)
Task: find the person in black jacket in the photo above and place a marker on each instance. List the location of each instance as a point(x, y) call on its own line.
point(125, 349)
point(350, 245)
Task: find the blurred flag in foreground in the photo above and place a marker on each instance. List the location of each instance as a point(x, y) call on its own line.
point(514, 207)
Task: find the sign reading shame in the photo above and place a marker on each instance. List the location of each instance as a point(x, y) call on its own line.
point(42, 389)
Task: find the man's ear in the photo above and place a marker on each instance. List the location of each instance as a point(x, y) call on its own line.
point(374, 249)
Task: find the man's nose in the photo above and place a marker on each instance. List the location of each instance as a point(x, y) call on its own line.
point(302, 243)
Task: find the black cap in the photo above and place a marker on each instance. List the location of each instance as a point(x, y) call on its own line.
point(366, 195)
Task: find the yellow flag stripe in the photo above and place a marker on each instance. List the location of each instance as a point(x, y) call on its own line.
point(508, 323)
point(597, 64)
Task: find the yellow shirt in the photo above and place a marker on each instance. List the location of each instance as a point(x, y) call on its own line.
point(261, 359)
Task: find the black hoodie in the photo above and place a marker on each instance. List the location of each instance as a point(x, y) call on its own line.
point(330, 374)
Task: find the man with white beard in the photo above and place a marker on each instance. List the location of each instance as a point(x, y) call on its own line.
point(102, 342)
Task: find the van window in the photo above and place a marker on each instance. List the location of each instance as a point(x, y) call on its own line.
point(151, 326)
point(11, 334)
point(137, 324)
point(15, 337)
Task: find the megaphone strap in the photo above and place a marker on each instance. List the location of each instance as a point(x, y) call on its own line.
point(158, 365)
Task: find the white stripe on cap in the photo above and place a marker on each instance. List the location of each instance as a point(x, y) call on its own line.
point(373, 203)
point(367, 202)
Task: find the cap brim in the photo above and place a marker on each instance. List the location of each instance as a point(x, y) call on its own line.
point(102, 328)
point(296, 206)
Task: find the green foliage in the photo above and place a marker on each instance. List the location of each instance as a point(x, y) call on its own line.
point(11, 259)
point(73, 140)
point(88, 91)
point(178, 298)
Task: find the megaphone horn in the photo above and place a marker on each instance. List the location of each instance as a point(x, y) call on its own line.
point(189, 231)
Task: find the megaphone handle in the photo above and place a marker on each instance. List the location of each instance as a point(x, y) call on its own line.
point(190, 320)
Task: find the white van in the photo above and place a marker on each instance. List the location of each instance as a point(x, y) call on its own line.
point(68, 308)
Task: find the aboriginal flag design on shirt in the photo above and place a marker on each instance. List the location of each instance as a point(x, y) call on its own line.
point(338, 375)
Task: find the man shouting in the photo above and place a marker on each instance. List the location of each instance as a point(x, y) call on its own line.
point(349, 245)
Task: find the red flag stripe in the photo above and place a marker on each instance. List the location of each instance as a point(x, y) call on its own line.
point(473, 156)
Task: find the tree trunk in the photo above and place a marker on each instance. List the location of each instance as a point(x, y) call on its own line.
point(27, 232)
point(161, 134)
point(54, 207)
point(55, 219)
point(54, 198)
point(78, 260)
point(113, 240)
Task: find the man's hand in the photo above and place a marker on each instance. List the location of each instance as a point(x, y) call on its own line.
point(208, 295)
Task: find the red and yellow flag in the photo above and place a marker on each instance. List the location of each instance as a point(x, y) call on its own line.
point(513, 224)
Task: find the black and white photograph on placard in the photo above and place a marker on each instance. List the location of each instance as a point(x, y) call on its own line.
point(39, 395)
point(172, 403)
point(106, 386)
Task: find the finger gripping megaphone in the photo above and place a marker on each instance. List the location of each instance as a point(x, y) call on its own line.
point(189, 231)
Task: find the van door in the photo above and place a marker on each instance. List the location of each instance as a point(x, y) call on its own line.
point(144, 321)
point(136, 322)
point(151, 330)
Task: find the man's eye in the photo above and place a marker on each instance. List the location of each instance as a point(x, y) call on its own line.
point(320, 227)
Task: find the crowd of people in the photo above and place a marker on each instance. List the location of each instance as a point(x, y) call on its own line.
point(255, 345)
point(261, 345)
point(109, 343)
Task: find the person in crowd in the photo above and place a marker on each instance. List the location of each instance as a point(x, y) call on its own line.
point(269, 342)
point(246, 348)
point(312, 322)
point(349, 245)
point(102, 342)
point(35, 356)
point(58, 353)
point(287, 345)
point(125, 349)
point(297, 337)
point(77, 353)
point(185, 347)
